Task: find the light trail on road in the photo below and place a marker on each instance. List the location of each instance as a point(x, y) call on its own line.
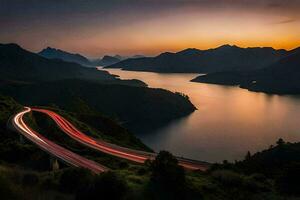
point(52, 148)
point(122, 152)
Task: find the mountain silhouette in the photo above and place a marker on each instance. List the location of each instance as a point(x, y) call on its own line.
point(223, 58)
point(53, 53)
point(108, 60)
point(281, 77)
point(19, 64)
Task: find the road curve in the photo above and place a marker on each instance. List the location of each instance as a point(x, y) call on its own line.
point(52, 148)
point(126, 153)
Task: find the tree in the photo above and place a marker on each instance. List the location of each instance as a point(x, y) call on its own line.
point(167, 175)
point(248, 156)
point(280, 142)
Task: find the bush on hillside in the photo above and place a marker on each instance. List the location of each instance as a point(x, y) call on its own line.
point(288, 182)
point(75, 178)
point(105, 186)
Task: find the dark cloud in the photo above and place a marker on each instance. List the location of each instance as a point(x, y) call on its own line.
point(50, 10)
point(285, 21)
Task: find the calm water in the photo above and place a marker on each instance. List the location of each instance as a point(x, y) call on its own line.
point(229, 120)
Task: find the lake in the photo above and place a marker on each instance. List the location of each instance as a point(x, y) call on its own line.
point(229, 120)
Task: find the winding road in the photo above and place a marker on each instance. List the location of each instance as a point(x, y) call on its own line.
point(100, 145)
point(52, 148)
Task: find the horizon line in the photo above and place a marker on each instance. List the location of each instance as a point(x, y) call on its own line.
point(166, 51)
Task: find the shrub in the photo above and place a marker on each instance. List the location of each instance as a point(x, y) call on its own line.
point(259, 177)
point(141, 171)
point(250, 184)
point(288, 182)
point(253, 183)
point(228, 178)
point(7, 190)
point(30, 179)
point(75, 178)
point(123, 165)
point(107, 186)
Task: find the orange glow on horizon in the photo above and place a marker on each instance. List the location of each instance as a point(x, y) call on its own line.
point(130, 33)
point(191, 30)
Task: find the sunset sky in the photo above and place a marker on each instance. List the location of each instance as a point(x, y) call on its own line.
point(128, 27)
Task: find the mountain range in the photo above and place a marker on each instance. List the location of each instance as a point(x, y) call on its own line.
point(19, 64)
point(223, 58)
point(107, 60)
point(110, 60)
point(282, 77)
point(258, 69)
point(53, 53)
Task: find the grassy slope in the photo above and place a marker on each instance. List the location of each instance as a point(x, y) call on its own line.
point(11, 150)
point(94, 124)
point(22, 159)
point(271, 162)
point(18, 161)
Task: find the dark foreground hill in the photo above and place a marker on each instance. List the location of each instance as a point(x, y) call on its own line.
point(281, 77)
point(278, 166)
point(138, 108)
point(52, 53)
point(224, 58)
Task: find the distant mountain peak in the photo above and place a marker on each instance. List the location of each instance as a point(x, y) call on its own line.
point(108, 56)
point(11, 45)
point(189, 50)
point(107, 60)
point(12, 48)
point(49, 48)
point(138, 56)
point(228, 46)
point(118, 56)
point(165, 54)
point(53, 53)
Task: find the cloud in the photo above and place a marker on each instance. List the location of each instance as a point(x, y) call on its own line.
point(287, 21)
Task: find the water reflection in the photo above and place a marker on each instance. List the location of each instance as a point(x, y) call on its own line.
point(229, 120)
